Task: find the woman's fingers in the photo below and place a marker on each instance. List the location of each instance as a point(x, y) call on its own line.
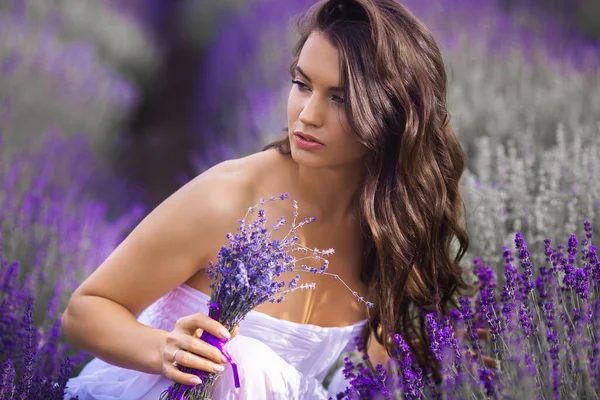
point(174, 374)
point(183, 347)
point(192, 322)
point(191, 360)
point(203, 349)
point(234, 332)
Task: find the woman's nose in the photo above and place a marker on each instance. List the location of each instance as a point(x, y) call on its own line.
point(313, 112)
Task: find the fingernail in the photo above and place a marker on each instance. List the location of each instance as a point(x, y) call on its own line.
point(196, 381)
point(219, 367)
point(224, 359)
point(225, 333)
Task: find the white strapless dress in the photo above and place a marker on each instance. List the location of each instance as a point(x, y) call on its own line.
point(276, 359)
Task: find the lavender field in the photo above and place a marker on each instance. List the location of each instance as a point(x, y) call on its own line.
point(107, 107)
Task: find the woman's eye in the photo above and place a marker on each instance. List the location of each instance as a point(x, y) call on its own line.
point(301, 85)
point(338, 99)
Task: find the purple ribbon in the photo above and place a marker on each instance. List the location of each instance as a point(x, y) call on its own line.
point(214, 312)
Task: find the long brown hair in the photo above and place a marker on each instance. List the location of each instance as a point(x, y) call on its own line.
point(395, 98)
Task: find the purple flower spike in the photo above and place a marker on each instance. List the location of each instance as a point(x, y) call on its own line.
point(7, 380)
point(524, 258)
point(488, 306)
point(525, 321)
point(549, 251)
point(594, 366)
point(487, 379)
point(29, 349)
point(552, 337)
point(572, 249)
point(485, 274)
point(364, 383)
point(437, 341)
point(508, 295)
point(580, 282)
point(467, 313)
point(412, 380)
point(594, 266)
point(589, 230)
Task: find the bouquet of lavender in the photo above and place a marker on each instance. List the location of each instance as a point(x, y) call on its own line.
point(244, 276)
point(544, 335)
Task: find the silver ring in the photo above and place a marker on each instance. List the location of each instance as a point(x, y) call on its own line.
point(174, 354)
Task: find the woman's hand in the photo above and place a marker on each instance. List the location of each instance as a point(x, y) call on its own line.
point(184, 343)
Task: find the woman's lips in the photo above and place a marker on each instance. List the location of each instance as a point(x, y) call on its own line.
point(305, 144)
point(308, 138)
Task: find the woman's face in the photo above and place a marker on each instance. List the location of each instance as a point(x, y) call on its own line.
point(316, 108)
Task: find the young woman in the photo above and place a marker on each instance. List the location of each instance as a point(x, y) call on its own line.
point(370, 153)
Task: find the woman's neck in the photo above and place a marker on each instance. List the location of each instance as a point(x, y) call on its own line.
point(329, 194)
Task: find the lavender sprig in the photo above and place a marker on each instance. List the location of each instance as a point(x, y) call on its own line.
point(246, 274)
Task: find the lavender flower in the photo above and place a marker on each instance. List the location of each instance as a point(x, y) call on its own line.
point(525, 321)
point(436, 337)
point(28, 371)
point(548, 250)
point(485, 274)
point(594, 367)
point(487, 281)
point(7, 379)
point(411, 379)
point(485, 377)
point(245, 275)
point(52, 236)
point(29, 348)
point(557, 361)
point(465, 307)
point(488, 305)
point(525, 261)
point(508, 295)
point(365, 383)
point(572, 249)
point(588, 229)
point(594, 267)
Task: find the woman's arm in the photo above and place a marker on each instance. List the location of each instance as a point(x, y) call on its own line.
point(168, 247)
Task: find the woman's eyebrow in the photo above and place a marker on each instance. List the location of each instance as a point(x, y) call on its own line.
point(331, 88)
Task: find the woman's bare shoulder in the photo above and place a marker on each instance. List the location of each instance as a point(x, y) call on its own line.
point(218, 197)
point(246, 174)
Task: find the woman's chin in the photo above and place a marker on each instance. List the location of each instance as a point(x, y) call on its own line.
point(306, 158)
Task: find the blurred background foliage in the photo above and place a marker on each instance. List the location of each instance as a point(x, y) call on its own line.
point(107, 107)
